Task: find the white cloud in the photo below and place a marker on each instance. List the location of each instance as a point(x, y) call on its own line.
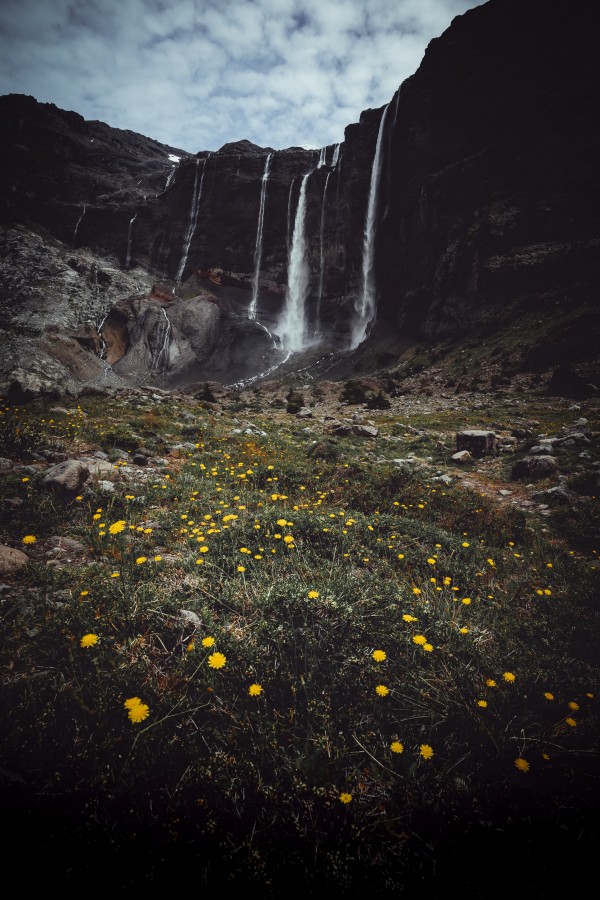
point(196, 74)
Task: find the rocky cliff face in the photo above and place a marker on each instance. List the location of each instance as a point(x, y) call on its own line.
point(487, 204)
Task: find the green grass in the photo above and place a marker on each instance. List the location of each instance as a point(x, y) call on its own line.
point(220, 789)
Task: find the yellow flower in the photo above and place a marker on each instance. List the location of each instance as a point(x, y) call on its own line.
point(282, 522)
point(482, 703)
point(522, 764)
point(548, 695)
point(313, 595)
point(88, 640)
point(191, 646)
point(382, 690)
point(288, 539)
point(217, 660)
point(379, 655)
point(117, 527)
point(141, 559)
point(241, 568)
point(131, 702)
point(419, 639)
point(157, 558)
point(345, 798)
point(408, 618)
point(573, 705)
point(428, 647)
point(29, 539)
point(463, 630)
point(396, 747)
point(508, 676)
point(466, 544)
point(208, 641)
point(203, 549)
point(139, 713)
point(431, 561)
point(426, 751)
point(84, 593)
point(466, 600)
point(490, 682)
point(416, 591)
point(570, 721)
point(255, 690)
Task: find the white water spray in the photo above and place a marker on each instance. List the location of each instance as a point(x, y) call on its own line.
point(292, 325)
point(101, 336)
point(196, 195)
point(336, 155)
point(78, 223)
point(259, 239)
point(321, 254)
point(128, 254)
point(160, 356)
point(365, 305)
point(289, 217)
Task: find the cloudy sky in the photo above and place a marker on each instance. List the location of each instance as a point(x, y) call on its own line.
point(196, 74)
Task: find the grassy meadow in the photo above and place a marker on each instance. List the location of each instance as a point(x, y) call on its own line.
point(306, 671)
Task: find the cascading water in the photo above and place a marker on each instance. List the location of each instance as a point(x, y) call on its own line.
point(196, 195)
point(289, 217)
point(170, 177)
point(292, 324)
point(99, 328)
point(336, 156)
point(322, 158)
point(365, 305)
point(321, 254)
point(159, 355)
point(78, 223)
point(128, 254)
point(259, 239)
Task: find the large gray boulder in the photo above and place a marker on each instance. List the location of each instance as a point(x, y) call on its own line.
point(477, 442)
point(66, 477)
point(534, 468)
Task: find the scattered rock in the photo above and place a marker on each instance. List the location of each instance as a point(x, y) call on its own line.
point(560, 495)
point(477, 442)
point(5, 465)
point(11, 560)
point(535, 467)
point(463, 456)
point(190, 618)
point(66, 477)
point(304, 413)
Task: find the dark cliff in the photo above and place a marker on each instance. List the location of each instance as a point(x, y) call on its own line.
point(488, 201)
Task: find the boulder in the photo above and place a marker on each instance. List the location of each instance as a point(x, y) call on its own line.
point(11, 560)
point(463, 456)
point(477, 442)
point(534, 468)
point(66, 477)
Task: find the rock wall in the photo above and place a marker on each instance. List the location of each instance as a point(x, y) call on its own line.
point(488, 199)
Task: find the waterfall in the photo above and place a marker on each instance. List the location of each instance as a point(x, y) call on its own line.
point(336, 156)
point(259, 239)
point(365, 305)
point(162, 334)
point(170, 177)
point(100, 335)
point(78, 224)
point(196, 195)
point(322, 158)
point(289, 217)
point(322, 253)
point(128, 254)
point(292, 325)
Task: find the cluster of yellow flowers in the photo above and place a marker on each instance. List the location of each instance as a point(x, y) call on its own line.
point(136, 710)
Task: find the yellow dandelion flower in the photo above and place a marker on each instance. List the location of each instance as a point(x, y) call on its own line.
point(408, 618)
point(463, 630)
point(288, 539)
point(157, 558)
point(548, 695)
point(217, 660)
point(141, 559)
point(191, 646)
point(428, 647)
point(117, 527)
point(591, 696)
point(115, 574)
point(466, 600)
point(416, 591)
point(313, 595)
point(241, 568)
point(401, 556)
point(382, 690)
point(131, 702)
point(573, 705)
point(208, 641)
point(345, 798)
point(419, 639)
point(84, 593)
point(508, 676)
point(570, 721)
point(490, 682)
point(482, 703)
point(255, 690)
point(89, 640)
point(282, 522)
point(379, 655)
point(396, 747)
point(466, 544)
point(431, 561)
point(139, 713)
point(29, 539)
point(426, 751)
point(522, 764)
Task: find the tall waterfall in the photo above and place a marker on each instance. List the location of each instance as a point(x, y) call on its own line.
point(128, 254)
point(259, 239)
point(292, 324)
point(170, 177)
point(336, 155)
point(289, 217)
point(196, 195)
point(322, 253)
point(365, 305)
point(78, 223)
